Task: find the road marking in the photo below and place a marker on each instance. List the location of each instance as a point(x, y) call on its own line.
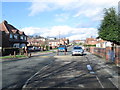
point(89, 67)
point(99, 82)
point(80, 85)
point(44, 56)
point(34, 75)
point(92, 72)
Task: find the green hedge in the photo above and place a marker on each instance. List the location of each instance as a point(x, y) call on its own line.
point(89, 45)
point(8, 51)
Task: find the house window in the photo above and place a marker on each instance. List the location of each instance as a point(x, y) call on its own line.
point(16, 45)
point(22, 45)
point(21, 37)
point(15, 36)
point(11, 36)
point(25, 38)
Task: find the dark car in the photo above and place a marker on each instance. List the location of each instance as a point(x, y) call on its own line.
point(62, 48)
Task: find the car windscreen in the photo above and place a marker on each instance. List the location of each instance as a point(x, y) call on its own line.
point(77, 48)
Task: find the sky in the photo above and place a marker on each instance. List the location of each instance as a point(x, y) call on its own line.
point(73, 19)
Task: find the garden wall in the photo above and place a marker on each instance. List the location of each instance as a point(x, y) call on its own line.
point(107, 53)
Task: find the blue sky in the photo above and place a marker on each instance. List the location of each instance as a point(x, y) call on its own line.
point(73, 19)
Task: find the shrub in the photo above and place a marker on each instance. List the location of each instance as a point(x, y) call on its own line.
point(11, 50)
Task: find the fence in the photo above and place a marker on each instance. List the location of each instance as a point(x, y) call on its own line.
point(107, 53)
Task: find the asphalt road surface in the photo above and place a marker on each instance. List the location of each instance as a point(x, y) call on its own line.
point(16, 72)
point(55, 71)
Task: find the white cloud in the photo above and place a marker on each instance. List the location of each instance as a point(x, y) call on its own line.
point(86, 7)
point(39, 6)
point(34, 30)
point(92, 9)
point(61, 17)
point(63, 31)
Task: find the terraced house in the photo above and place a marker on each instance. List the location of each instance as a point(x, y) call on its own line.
point(11, 36)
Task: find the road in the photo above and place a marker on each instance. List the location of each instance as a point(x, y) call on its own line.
point(53, 71)
point(16, 72)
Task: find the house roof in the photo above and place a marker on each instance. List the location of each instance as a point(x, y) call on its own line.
point(90, 39)
point(4, 26)
point(76, 40)
point(54, 40)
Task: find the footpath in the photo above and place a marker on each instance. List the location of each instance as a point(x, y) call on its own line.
point(110, 68)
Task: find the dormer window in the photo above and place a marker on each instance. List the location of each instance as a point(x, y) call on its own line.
point(25, 38)
point(11, 36)
point(15, 36)
point(21, 37)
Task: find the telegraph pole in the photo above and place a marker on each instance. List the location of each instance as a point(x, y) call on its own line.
point(59, 37)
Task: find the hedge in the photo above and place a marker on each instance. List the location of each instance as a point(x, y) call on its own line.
point(8, 51)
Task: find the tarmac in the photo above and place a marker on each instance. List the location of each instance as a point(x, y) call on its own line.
point(109, 66)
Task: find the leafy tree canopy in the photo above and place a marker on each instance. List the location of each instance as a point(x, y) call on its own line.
point(110, 26)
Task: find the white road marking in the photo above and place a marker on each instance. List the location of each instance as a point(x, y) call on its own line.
point(99, 82)
point(89, 67)
point(34, 75)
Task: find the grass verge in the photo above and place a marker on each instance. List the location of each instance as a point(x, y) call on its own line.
point(17, 56)
point(46, 51)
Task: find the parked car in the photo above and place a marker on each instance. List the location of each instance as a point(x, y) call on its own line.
point(33, 48)
point(62, 48)
point(30, 48)
point(77, 50)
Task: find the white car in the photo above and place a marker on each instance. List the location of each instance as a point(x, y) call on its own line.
point(77, 51)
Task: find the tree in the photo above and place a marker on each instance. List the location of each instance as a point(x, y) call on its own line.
point(109, 29)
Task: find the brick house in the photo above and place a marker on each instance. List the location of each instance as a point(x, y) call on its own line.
point(78, 41)
point(11, 36)
point(91, 41)
point(35, 41)
point(57, 42)
point(103, 44)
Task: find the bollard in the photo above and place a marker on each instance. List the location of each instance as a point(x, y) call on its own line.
point(26, 53)
point(14, 54)
point(57, 52)
point(30, 54)
point(65, 52)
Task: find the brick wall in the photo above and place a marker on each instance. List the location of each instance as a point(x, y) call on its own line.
point(117, 54)
point(105, 52)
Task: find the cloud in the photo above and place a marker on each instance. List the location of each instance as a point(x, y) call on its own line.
point(34, 30)
point(61, 17)
point(91, 10)
point(62, 31)
point(91, 7)
point(39, 6)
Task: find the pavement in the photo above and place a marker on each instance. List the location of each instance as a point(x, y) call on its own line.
point(109, 67)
